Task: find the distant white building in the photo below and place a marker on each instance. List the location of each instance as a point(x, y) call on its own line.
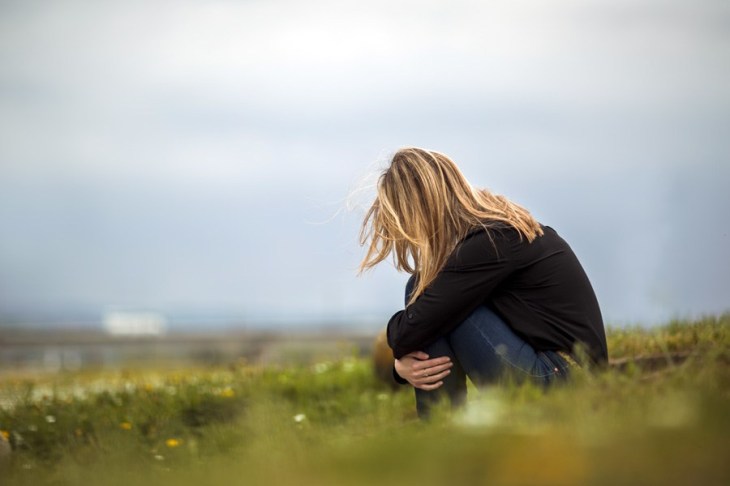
point(121, 323)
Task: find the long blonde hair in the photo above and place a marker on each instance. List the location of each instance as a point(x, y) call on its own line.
point(424, 207)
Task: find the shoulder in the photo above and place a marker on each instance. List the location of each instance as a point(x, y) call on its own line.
point(494, 234)
point(493, 243)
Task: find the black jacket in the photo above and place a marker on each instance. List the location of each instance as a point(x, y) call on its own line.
point(538, 288)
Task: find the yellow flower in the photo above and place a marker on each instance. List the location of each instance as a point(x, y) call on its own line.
point(125, 426)
point(173, 442)
point(227, 392)
point(5, 435)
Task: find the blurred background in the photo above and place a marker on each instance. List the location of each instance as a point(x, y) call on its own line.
point(203, 166)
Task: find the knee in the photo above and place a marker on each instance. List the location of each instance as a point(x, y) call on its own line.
point(484, 317)
point(482, 323)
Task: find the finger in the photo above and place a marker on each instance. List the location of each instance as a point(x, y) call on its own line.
point(438, 369)
point(421, 365)
point(425, 380)
point(432, 370)
point(439, 376)
point(430, 387)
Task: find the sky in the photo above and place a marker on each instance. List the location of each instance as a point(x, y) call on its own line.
point(212, 160)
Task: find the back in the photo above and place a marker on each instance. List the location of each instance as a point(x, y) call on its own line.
point(547, 298)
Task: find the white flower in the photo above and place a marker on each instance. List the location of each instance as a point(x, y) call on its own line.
point(50, 419)
point(299, 418)
point(320, 368)
point(487, 411)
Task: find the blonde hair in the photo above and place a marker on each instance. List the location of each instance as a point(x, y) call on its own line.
point(424, 207)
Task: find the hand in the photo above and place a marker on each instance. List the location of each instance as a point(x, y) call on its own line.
point(422, 372)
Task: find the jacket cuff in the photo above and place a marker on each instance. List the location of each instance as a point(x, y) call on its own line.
point(398, 378)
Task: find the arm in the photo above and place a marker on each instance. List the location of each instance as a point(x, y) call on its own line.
point(470, 275)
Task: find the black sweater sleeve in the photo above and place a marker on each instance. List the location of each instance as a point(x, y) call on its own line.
point(474, 270)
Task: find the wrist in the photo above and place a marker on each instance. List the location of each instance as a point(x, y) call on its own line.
point(398, 378)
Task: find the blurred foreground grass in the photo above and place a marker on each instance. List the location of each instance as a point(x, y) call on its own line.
point(334, 423)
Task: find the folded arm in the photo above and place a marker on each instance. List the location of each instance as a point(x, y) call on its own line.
point(467, 280)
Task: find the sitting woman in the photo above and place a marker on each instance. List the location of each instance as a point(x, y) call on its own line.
point(491, 289)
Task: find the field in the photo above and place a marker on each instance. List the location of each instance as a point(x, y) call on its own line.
point(661, 421)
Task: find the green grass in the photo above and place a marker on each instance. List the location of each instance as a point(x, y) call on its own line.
point(334, 423)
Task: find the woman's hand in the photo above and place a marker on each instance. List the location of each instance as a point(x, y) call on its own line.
point(422, 372)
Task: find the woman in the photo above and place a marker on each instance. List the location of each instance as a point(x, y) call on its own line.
point(492, 290)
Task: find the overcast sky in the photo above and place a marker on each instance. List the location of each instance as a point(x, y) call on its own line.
point(211, 159)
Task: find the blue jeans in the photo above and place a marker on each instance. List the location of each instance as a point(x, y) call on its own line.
point(484, 348)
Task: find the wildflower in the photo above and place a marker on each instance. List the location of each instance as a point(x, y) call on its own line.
point(50, 419)
point(172, 443)
point(159, 457)
point(299, 418)
point(320, 368)
point(125, 426)
point(5, 435)
point(227, 392)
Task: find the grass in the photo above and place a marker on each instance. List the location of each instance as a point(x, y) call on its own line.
point(334, 423)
